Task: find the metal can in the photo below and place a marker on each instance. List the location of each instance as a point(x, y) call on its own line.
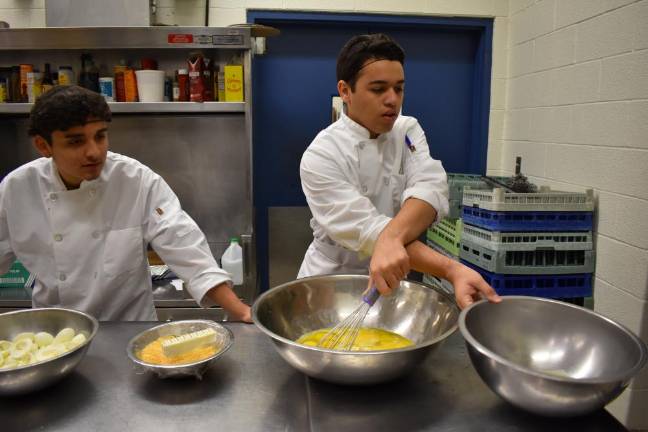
point(107, 88)
point(65, 75)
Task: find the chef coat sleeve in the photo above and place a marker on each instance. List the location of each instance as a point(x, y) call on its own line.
point(347, 217)
point(178, 240)
point(7, 256)
point(425, 177)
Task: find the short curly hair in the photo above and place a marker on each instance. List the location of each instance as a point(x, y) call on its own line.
point(64, 107)
point(359, 49)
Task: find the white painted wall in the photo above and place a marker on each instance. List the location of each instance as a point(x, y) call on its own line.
point(569, 95)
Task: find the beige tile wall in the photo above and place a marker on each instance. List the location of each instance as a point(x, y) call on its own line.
point(23, 13)
point(577, 112)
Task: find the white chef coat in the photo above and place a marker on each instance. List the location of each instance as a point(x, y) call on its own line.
point(87, 247)
point(354, 185)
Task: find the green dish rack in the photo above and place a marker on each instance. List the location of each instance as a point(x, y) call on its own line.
point(447, 235)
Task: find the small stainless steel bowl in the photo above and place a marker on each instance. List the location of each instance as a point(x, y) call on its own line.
point(550, 357)
point(33, 377)
point(137, 343)
point(425, 314)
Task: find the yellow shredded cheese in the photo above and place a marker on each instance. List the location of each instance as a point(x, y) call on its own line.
point(154, 354)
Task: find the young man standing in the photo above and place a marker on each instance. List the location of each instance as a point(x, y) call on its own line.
point(371, 184)
point(80, 219)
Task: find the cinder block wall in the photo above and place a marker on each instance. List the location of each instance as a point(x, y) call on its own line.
point(569, 95)
point(577, 113)
point(23, 13)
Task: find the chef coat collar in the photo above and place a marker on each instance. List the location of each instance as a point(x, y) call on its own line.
point(358, 130)
point(57, 184)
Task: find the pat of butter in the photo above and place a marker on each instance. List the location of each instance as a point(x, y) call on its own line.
point(186, 342)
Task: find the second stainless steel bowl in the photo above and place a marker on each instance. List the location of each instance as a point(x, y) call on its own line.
point(425, 314)
point(549, 357)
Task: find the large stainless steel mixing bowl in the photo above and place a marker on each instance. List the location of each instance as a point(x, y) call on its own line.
point(424, 314)
point(224, 340)
point(549, 357)
point(25, 379)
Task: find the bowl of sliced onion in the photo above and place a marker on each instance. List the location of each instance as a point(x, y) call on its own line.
point(40, 346)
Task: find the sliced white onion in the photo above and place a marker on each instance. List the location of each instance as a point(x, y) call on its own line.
point(49, 352)
point(10, 363)
point(64, 335)
point(21, 348)
point(76, 341)
point(24, 335)
point(43, 339)
point(28, 348)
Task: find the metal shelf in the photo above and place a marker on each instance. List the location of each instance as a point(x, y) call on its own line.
point(146, 107)
point(87, 38)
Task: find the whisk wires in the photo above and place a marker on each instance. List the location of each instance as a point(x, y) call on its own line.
point(343, 336)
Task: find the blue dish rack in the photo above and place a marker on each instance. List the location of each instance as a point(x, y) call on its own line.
point(547, 286)
point(526, 243)
point(527, 221)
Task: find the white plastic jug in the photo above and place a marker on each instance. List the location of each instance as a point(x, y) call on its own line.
point(232, 261)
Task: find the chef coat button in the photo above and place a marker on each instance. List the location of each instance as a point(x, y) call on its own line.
point(361, 146)
point(96, 234)
point(92, 192)
point(62, 277)
point(386, 181)
point(58, 237)
point(53, 197)
point(364, 189)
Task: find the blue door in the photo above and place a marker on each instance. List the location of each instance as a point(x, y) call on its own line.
point(447, 74)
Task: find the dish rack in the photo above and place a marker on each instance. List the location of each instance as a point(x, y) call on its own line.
point(528, 253)
point(447, 235)
point(433, 280)
point(544, 200)
point(16, 277)
point(547, 286)
point(528, 220)
point(456, 184)
point(535, 243)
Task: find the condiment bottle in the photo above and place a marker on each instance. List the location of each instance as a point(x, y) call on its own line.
point(65, 75)
point(89, 75)
point(47, 82)
point(196, 79)
point(15, 90)
point(208, 80)
point(120, 90)
point(3, 90)
point(183, 85)
point(33, 85)
point(130, 85)
point(176, 90)
point(24, 70)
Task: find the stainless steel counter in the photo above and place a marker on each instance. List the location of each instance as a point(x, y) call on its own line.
point(252, 389)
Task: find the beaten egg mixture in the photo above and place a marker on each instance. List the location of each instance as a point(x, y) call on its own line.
point(152, 353)
point(369, 339)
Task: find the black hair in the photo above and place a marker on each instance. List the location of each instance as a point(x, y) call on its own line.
point(64, 107)
point(359, 49)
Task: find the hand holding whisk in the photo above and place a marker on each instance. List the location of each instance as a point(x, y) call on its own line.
point(342, 336)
